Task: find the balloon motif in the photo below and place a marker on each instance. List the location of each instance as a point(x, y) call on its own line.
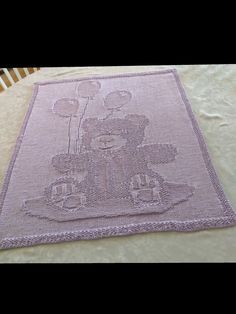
point(88, 89)
point(66, 107)
point(117, 99)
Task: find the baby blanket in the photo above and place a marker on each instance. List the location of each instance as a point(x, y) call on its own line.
point(106, 156)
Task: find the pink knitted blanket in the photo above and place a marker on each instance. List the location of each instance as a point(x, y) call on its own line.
point(106, 156)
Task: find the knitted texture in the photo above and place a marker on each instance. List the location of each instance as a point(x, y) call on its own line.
point(106, 156)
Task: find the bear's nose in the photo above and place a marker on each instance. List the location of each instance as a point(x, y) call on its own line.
point(105, 139)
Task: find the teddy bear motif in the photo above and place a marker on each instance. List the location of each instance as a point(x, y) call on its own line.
point(117, 164)
point(110, 151)
point(145, 189)
point(64, 194)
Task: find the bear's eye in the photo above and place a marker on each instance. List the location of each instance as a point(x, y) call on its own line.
point(116, 133)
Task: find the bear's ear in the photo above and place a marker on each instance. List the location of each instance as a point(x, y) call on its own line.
point(139, 120)
point(90, 124)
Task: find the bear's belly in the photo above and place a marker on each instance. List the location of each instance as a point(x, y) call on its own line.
point(110, 181)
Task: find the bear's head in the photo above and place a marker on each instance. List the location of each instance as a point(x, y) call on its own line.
point(113, 134)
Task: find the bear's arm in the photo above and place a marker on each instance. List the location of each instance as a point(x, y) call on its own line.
point(158, 153)
point(65, 163)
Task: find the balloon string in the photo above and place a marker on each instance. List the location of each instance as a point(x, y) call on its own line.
point(108, 115)
point(79, 126)
point(69, 133)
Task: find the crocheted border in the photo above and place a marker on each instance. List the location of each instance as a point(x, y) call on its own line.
point(187, 226)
